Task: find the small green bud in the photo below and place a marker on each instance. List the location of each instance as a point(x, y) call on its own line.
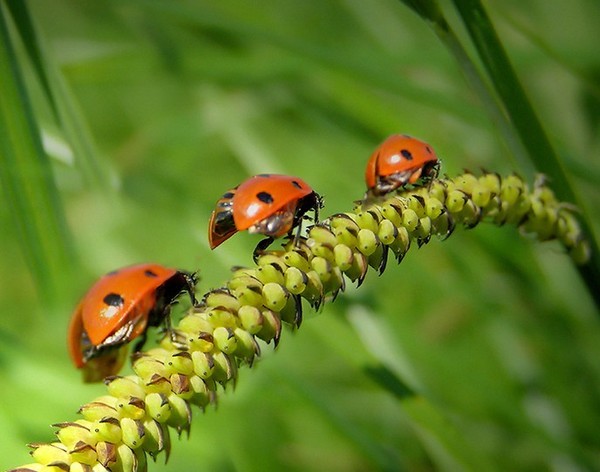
point(322, 267)
point(128, 460)
point(367, 242)
point(387, 232)
point(154, 439)
point(83, 453)
point(292, 311)
point(181, 414)
point(107, 429)
point(336, 283)
point(133, 408)
point(359, 268)
point(343, 256)
point(322, 235)
point(250, 318)
point(437, 190)
point(392, 211)
point(107, 453)
point(204, 364)
point(203, 393)
point(132, 432)
point(410, 220)
point(368, 220)
point(158, 384)
point(345, 230)
point(157, 406)
point(492, 182)
point(512, 189)
point(271, 328)
point(378, 259)
point(470, 214)
point(102, 407)
point(314, 289)
point(181, 363)
point(443, 225)
point(247, 347)
point(51, 453)
point(297, 260)
point(270, 274)
point(79, 467)
point(416, 203)
point(455, 201)
point(581, 252)
point(73, 432)
point(271, 259)
point(295, 280)
point(180, 385)
point(434, 208)
point(323, 250)
point(481, 195)
point(125, 387)
point(192, 324)
point(424, 229)
point(250, 295)
point(221, 298)
point(225, 340)
point(401, 244)
point(244, 280)
point(202, 341)
point(275, 296)
point(146, 367)
point(225, 369)
point(220, 317)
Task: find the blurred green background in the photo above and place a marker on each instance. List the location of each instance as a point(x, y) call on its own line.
point(477, 353)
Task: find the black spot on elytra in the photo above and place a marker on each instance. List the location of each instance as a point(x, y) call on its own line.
point(264, 175)
point(112, 272)
point(114, 299)
point(406, 154)
point(429, 150)
point(149, 273)
point(265, 197)
point(296, 184)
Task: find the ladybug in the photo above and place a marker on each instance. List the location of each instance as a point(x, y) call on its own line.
point(269, 204)
point(399, 161)
point(119, 308)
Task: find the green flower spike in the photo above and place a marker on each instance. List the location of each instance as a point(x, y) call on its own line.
point(119, 430)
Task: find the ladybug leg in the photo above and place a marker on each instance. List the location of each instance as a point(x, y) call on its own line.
point(191, 279)
point(261, 247)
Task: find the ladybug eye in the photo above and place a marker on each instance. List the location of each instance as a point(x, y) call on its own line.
point(406, 154)
point(114, 299)
point(149, 273)
point(265, 197)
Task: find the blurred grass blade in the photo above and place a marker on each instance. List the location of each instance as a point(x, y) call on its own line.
point(26, 178)
point(22, 20)
point(447, 447)
point(63, 104)
point(509, 89)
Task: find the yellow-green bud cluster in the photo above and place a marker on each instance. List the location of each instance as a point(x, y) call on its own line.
point(223, 332)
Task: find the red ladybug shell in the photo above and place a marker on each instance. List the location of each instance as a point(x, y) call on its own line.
point(118, 308)
point(269, 204)
point(398, 161)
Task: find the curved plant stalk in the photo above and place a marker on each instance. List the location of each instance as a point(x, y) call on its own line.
point(118, 431)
